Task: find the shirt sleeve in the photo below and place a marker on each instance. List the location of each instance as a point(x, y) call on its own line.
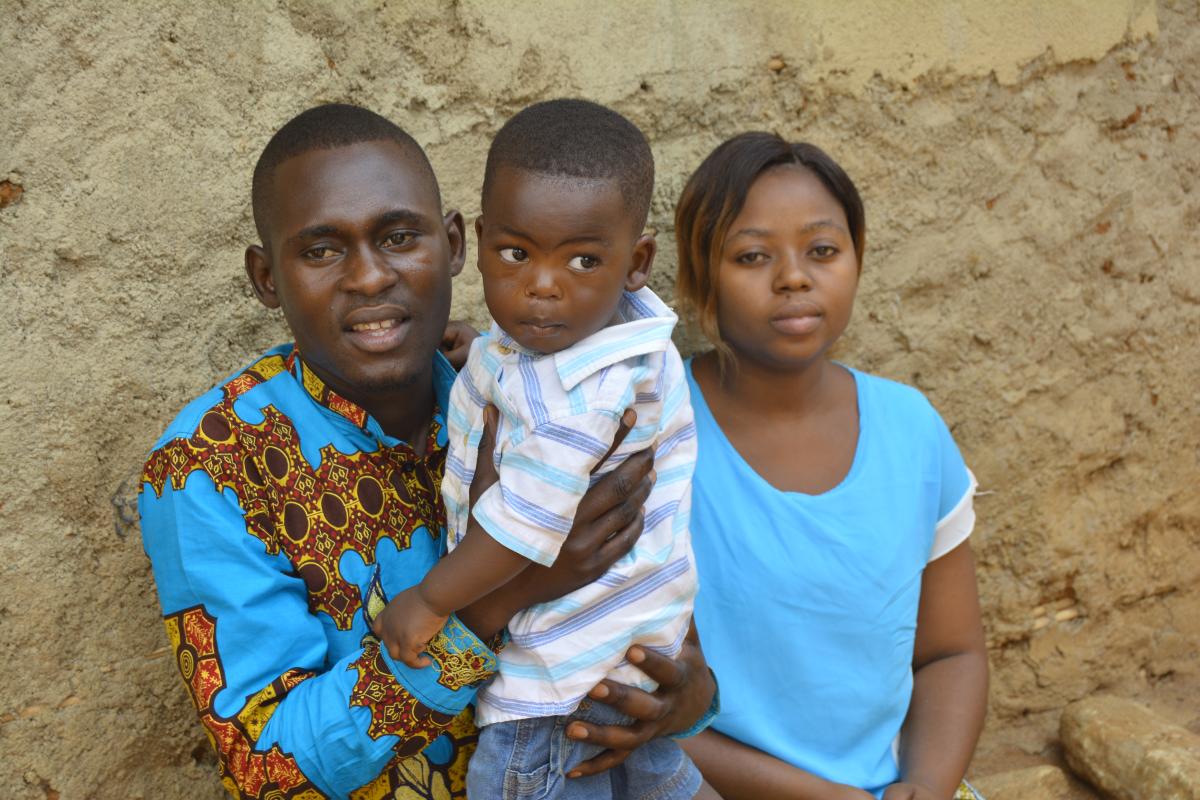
point(282, 716)
point(543, 476)
point(956, 503)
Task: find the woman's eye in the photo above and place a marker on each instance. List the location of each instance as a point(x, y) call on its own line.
point(750, 258)
point(824, 251)
point(584, 263)
point(398, 238)
point(513, 255)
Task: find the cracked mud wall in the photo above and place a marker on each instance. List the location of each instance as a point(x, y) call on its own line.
point(1031, 172)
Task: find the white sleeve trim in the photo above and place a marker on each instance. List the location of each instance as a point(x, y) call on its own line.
point(954, 528)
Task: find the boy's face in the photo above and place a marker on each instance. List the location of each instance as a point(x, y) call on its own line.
point(360, 259)
point(556, 253)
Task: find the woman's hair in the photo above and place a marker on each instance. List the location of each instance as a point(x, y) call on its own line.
point(714, 197)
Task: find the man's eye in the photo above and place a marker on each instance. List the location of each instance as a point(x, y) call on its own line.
point(584, 263)
point(320, 252)
point(398, 238)
point(513, 255)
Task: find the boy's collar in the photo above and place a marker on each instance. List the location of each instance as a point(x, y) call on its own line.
point(645, 327)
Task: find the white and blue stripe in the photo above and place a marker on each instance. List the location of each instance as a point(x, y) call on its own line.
point(558, 415)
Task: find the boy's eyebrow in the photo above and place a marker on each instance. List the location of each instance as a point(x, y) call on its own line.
point(583, 238)
point(821, 223)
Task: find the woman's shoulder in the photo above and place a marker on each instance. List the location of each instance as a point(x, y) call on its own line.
point(894, 402)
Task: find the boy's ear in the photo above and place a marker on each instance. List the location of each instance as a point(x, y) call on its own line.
point(643, 260)
point(258, 269)
point(456, 232)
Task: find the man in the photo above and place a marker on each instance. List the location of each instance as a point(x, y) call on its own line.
point(283, 509)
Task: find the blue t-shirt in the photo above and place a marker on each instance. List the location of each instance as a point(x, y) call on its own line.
point(808, 603)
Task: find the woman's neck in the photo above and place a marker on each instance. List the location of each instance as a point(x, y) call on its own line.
point(766, 391)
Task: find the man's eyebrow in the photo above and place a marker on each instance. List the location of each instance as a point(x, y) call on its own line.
point(405, 215)
point(312, 232)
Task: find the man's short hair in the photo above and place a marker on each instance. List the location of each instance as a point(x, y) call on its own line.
point(325, 128)
point(577, 139)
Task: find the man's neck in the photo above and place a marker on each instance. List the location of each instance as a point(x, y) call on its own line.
point(405, 413)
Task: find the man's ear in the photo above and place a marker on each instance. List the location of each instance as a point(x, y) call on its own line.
point(643, 260)
point(456, 232)
point(258, 269)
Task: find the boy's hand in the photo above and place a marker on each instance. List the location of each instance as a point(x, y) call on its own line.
point(406, 625)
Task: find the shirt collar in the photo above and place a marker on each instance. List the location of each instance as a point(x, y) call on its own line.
point(645, 327)
point(443, 379)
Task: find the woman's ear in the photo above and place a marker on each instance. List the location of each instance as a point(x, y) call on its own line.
point(643, 260)
point(258, 269)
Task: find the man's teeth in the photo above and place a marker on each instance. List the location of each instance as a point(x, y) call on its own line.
point(381, 325)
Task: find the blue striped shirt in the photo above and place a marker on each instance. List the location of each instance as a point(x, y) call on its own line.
point(558, 415)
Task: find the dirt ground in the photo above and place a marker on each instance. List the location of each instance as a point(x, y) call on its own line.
point(1033, 265)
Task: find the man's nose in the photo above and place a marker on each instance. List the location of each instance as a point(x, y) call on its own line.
point(368, 272)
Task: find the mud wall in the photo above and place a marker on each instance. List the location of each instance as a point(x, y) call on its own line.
point(1030, 171)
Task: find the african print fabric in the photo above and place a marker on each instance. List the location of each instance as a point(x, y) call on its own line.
point(278, 518)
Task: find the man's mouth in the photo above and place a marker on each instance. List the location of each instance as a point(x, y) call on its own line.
point(381, 325)
point(377, 330)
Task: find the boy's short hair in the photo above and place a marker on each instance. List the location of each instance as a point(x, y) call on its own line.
point(326, 127)
point(577, 139)
point(713, 198)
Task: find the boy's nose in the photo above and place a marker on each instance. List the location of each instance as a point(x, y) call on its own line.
point(542, 284)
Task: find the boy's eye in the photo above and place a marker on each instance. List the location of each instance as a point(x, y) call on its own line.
point(584, 263)
point(513, 255)
point(398, 238)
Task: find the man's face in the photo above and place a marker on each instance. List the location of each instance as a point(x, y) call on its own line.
point(360, 259)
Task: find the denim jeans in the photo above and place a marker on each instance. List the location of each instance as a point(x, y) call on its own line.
point(528, 759)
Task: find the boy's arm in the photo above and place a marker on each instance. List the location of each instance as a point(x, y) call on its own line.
point(478, 566)
point(254, 658)
point(950, 678)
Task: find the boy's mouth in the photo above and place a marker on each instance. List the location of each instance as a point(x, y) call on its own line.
point(542, 327)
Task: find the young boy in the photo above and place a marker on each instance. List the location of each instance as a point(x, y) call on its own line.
point(577, 340)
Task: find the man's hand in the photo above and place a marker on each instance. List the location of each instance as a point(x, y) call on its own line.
point(685, 692)
point(456, 342)
point(406, 625)
point(908, 791)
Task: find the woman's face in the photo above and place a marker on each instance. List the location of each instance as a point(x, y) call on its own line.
point(788, 272)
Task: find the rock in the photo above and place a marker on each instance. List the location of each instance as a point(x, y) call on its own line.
point(1043, 782)
point(1124, 749)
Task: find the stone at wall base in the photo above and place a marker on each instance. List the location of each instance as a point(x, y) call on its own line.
point(1043, 782)
point(1122, 748)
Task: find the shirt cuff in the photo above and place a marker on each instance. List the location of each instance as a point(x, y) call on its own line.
point(714, 708)
point(462, 662)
